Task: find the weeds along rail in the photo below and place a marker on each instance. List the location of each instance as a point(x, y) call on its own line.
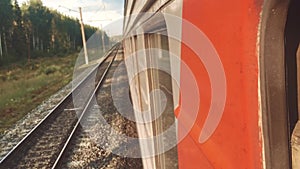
point(42, 145)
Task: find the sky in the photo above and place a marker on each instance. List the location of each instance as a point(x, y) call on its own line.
point(98, 13)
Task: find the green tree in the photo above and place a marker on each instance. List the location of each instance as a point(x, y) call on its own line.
point(40, 18)
point(19, 36)
point(6, 23)
point(27, 30)
point(35, 30)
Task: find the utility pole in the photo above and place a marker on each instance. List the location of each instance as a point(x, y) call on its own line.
point(103, 43)
point(83, 34)
point(83, 38)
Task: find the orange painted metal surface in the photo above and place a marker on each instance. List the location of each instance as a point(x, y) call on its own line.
point(232, 27)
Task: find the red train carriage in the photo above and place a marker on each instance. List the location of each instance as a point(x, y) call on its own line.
point(228, 71)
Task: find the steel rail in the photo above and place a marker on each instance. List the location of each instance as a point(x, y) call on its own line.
point(84, 111)
point(27, 138)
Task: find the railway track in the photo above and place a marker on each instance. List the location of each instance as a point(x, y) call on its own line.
point(91, 143)
point(43, 145)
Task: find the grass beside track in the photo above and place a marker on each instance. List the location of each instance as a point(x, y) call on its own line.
point(24, 87)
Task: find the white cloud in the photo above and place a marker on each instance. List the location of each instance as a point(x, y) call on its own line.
point(95, 12)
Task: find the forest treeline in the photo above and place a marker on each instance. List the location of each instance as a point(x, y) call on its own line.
point(33, 30)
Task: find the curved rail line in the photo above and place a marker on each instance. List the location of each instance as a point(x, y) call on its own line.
point(19, 155)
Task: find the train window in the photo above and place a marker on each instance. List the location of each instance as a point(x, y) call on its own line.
point(298, 78)
point(292, 39)
point(149, 69)
point(162, 104)
point(278, 79)
point(295, 141)
point(291, 46)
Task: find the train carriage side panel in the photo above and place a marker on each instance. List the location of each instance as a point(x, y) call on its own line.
point(232, 26)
